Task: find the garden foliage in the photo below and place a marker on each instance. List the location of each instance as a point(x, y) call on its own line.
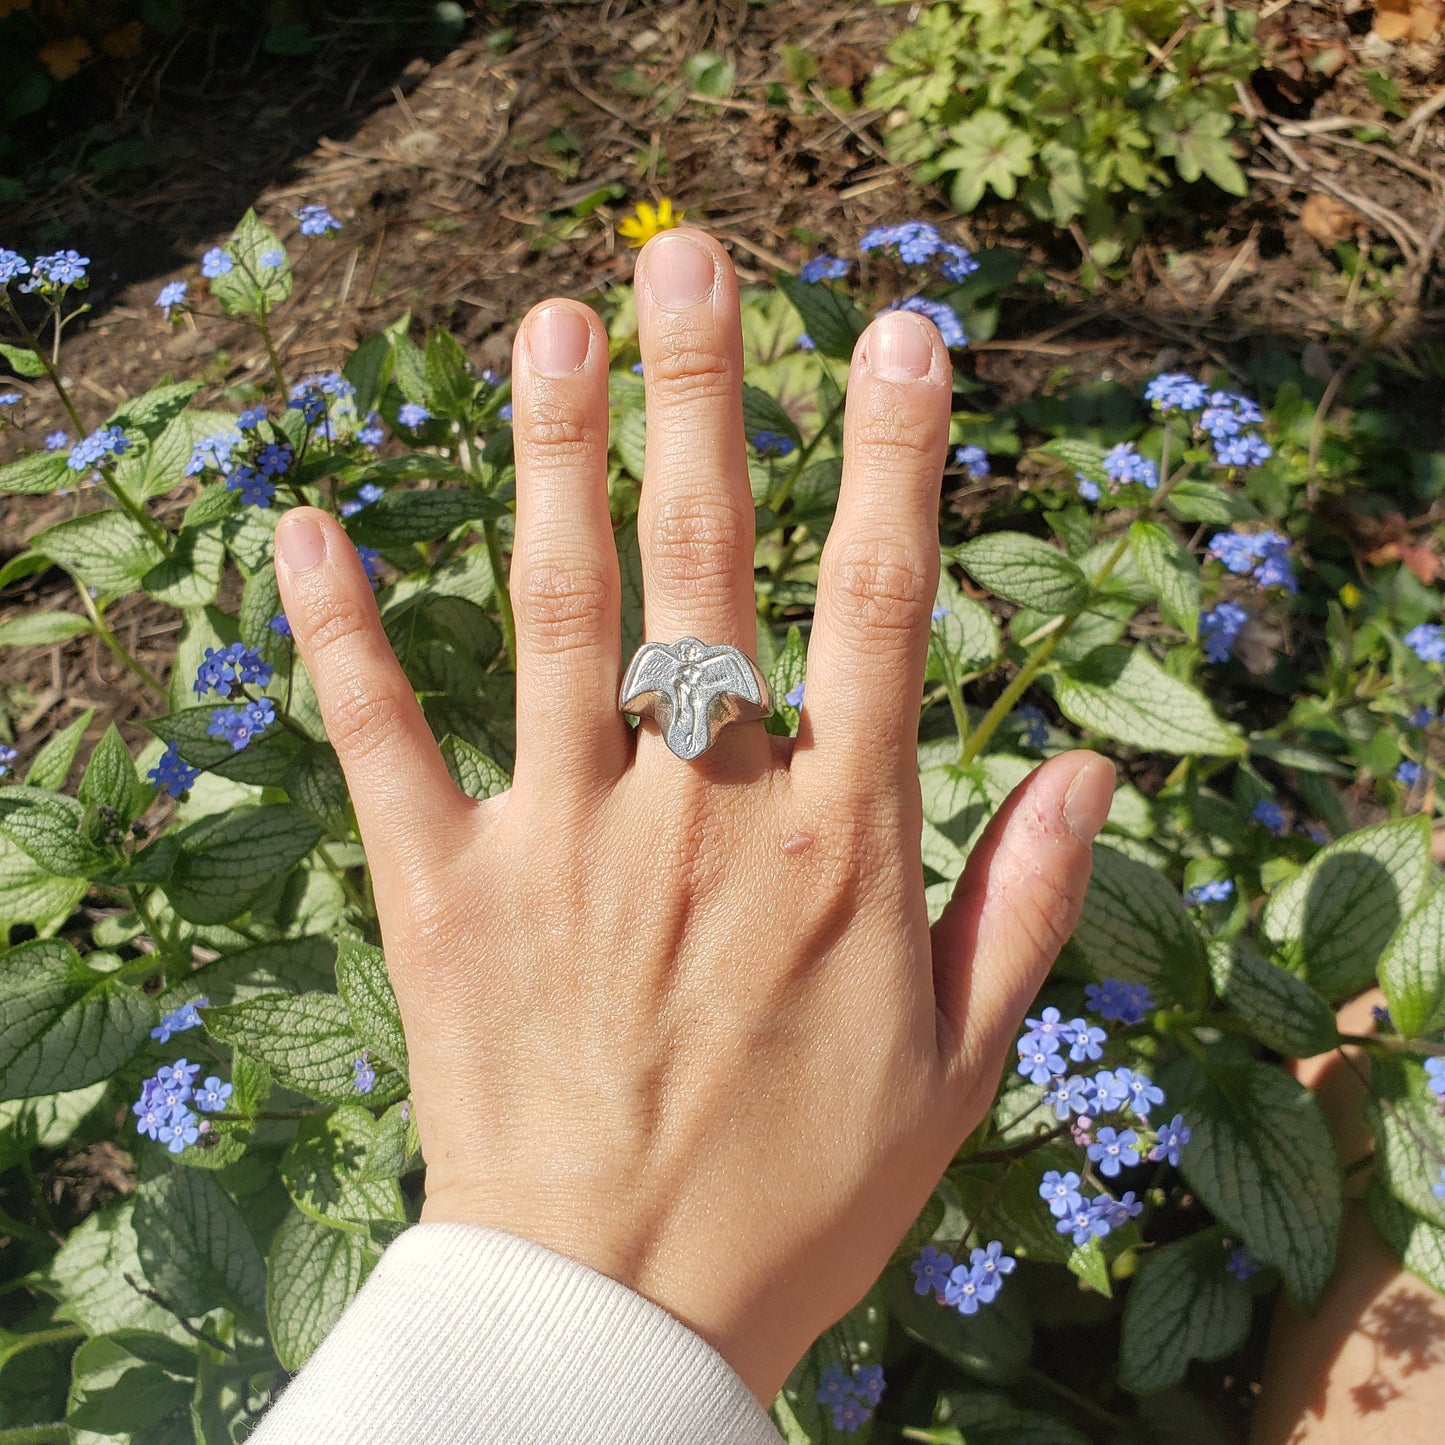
point(1089, 111)
point(1150, 1174)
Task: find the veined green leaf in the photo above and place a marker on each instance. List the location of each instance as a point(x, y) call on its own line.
point(311, 1275)
point(1262, 1160)
point(1172, 571)
point(1412, 971)
point(1182, 1305)
point(472, 770)
point(1278, 1008)
point(365, 989)
point(42, 629)
point(325, 1172)
point(829, 317)
point(51, 829)
point(105, 550)
point(1404, 1116)
point(1135, 927)
point(228, 860)
point(1122, 693)
point(1334, 918)
point(63, 1026)
point(1419, 1243)
point(1025, 570)
point(37, 474)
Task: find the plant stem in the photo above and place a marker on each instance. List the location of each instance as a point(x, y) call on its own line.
point(504, 596)
point(339, 873)
point(263, 325)
point(1080, 1402)
point(116, 646)
point(780, 497)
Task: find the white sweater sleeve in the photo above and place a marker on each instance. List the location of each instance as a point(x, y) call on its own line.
point(466, 1336)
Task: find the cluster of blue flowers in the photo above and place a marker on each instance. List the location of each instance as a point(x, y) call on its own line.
point(322, 399)
point(1118, 1002)
point(825, 268)
point(171, 1101)
point(412, 414)
point(1123, 466)
point(106, 441)
point(1083, 1218)
point(7, 758)
point(1225, 417)
point(1270, 815)
point(316, 220)
point(238, 725)
point(1035, 726)
point(966, 1287)
point(1219, 629)
point(179, 1020)
point(851, 1397)
point(1427, 642)
point(247, 462)
point(173, 773)
point(224, 668)
point(1263, 556)
point(772, 444)
point(1219, 890)
point(48, 274)
point(917, 243)
point(974, 461)
point(171, 296)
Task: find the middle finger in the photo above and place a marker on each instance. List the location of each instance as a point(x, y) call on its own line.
point(695, 517)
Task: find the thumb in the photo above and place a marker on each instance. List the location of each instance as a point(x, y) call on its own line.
point(1015, 906)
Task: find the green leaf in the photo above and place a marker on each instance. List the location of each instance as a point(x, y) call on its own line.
point(1134, 926)
point(264, 760)
point(32, 895)
point(306, 1040)
point(63, 1026)
point(111, 780)
point(127, 1381)
point(472, 770)
point(196, 1247)
point(315, 783)
point(369, 368)
point(260, 602)
point(1412, 971)
point(983, 1417)
point(364, 984)
point(249, 288)
point(965, 639)
point(788, 671)
point(1404, 1116)
point(311, 1276)
point(1122, 693)
point(1190, 501)
point(42, 629)
point(105, 550)
point(1334, 918)
point(159, 466)
point(449, 384)
point(152, 411)
point(50, 828)
point(228, 860)
point(1084, 458)
point(52, 763)
point(23, 361)
point(988, 151)
point(1420, 1244)
point(1183, 1305)
point(1172, 571)
point(98, 1278)
point(1278, 1009)
point(829, 317)
point(763, 412)
point(191, 575)
point(1023, 569)
point(1089, 1265)
point(400, 518)
point(325, 1172)
point(37, 474)
point(213, 503)
point(1262, 1160)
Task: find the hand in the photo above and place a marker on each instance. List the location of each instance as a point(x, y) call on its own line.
point(686, 1023)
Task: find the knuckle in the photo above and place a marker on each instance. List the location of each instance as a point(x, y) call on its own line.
point(689, 371)
point(341, 618)
point(693, 544)
point(563, 603)
point(881, 585)
point(887, 431)
point(556, 434)
point(360, 717)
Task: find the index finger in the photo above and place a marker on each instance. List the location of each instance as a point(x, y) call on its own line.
point(879, 570)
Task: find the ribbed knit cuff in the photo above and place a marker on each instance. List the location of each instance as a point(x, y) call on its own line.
point(466, 1336)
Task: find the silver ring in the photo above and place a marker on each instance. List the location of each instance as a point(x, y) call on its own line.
point(693, 691)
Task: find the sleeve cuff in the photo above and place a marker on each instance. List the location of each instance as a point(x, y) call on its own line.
point(466, 1336)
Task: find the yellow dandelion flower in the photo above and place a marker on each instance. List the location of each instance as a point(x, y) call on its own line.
point(638, 230)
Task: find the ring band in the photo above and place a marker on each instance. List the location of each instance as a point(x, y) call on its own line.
point(693, 691)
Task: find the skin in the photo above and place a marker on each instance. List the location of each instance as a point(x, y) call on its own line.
point(687, 1023)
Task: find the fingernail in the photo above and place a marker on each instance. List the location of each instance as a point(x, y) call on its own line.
point(1087, 802)
point(557, 340)
point(300, 542)
point(679, 271)
point(900, 347)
